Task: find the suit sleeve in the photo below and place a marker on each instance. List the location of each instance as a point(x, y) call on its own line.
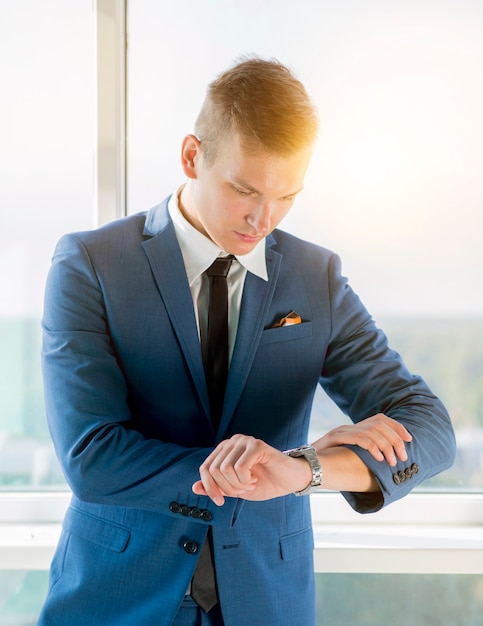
point(365, 377)
point(105, 457)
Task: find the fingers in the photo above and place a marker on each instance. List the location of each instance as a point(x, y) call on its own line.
point(380, 435)
point(227, 470)
point(382, 444)
point(394, 436)
point(243, 466)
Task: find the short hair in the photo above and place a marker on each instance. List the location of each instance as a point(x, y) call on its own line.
point(264, 103)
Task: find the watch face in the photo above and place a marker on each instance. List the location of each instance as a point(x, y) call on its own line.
point(300, 451)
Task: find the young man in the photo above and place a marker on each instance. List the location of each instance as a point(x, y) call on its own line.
point(160, 472)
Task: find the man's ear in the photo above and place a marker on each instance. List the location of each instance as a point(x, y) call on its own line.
point(190, 153)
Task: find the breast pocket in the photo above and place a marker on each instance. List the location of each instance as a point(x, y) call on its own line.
point(286, 333)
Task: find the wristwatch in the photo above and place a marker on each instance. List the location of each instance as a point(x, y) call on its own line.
point(311, 457)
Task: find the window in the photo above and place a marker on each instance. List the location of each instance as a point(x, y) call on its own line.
point(394, 188)
point(47, 163)
point(47, 160)
point(407, 599)
point(394, 185)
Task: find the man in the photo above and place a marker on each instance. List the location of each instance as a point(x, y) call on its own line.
point(162, 469)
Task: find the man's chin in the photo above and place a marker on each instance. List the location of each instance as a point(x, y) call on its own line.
point(243, 244)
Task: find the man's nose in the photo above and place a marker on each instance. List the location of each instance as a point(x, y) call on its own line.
point(260, 218)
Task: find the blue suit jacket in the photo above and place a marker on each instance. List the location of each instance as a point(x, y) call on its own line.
point(128, 410)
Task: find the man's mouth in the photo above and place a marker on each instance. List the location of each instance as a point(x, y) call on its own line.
point(249, 238)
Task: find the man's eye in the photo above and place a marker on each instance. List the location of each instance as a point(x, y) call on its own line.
point(242, 192)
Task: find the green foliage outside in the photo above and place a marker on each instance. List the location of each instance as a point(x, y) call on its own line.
point(342, 599)
point(399, 600)
point(21, 596)
point(447, 353)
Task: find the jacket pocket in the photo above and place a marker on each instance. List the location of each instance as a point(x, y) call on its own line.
point(96, 530)
point(296, 544)
point(286, 333)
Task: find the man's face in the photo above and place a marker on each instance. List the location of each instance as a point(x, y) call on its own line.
point(241, 197)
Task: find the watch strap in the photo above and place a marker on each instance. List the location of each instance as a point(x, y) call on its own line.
point(310, 455)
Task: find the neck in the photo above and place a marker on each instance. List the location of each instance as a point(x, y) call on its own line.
point(185, 202)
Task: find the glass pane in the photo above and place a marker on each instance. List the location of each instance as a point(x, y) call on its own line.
point(342, 599)
point(47, 164)
point(450, 356)
point(394, 186)
point(402, 599)
point(21, 596)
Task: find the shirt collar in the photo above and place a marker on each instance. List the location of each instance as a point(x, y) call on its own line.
point(199, 252)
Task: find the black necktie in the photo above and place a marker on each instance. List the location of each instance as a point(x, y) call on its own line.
point(215, 361)
point(215, 348)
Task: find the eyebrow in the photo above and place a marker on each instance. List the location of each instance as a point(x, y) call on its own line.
point(248, 187)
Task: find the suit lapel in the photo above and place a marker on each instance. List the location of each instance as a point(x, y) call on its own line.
point(166, 261)
point(257, 297)
point(167, 266)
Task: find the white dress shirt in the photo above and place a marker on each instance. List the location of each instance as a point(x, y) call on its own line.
point(199, 252)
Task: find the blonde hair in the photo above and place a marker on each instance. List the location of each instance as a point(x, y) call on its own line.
point(264, 103)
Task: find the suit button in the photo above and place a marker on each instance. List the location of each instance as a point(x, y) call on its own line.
point(396, 479)
point(195, 512)
point(415, 468)
point(206, 516)
point(190, 547)
point(409, 472)
point(185, 510)
point(174, 507)
point(402, 476)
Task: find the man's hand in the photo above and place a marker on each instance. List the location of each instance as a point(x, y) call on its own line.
point(380, 435)
point(245, 467)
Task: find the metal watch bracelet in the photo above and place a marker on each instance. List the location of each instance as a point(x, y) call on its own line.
point(310, 454)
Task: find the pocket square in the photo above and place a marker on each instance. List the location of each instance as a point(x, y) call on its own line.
point(289, 320)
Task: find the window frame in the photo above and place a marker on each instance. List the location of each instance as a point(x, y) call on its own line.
point(426, 532)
